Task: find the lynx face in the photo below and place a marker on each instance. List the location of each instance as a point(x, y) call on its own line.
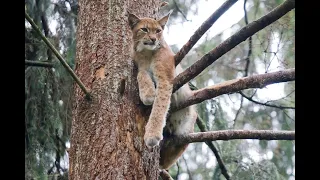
point(147, 32)
point(148, 36)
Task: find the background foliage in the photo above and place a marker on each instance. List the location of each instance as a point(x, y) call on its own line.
point(48, 94)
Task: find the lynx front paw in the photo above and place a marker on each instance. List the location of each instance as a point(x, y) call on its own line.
point(147, 99)
point(152, 141)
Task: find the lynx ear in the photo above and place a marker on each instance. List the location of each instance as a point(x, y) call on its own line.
point(133, 20)
point(163, 21)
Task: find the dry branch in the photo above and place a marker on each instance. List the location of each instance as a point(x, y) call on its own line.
point(38, 63)
point(234, 134)
point(202, 29)
point(231, 42)
point(232, 86)
point(266, 103)
point(63, 62)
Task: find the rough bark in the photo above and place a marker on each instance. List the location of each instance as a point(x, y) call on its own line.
point(107, 131)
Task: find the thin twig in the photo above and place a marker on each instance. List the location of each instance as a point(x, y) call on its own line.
point(165, 175)
point(26, 70)
point(250, 41)
point(264, 104)
point(179, 10)
point(288, 116)
point(188, 170)
point(234, 134)
point(231, 42)
point(238, 112)
point(38, 63)
point(223, 168)
point(178, 171)
point(202, 29)
point(63, 62)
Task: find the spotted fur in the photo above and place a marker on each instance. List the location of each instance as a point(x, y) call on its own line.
point(156, 71)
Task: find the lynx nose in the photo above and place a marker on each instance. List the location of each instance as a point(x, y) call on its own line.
point(153, 39)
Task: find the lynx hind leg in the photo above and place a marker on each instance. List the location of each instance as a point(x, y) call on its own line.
point(170, 153)
point(147, 90)
point(182, 122)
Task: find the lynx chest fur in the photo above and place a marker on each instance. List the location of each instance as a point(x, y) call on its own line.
point(156, 71)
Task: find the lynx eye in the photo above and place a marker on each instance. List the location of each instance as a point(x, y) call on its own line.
point(144, 29)
point(158, 30)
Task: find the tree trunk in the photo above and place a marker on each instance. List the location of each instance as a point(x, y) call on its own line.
point(107, 131)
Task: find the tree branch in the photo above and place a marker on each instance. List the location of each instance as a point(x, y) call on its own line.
point(63, 62)
point(202, 29)
point(165, 175)
point(235, 85)
point(265, 104)
point(231, 42)
point(38, 63)
point(223, 168)
point(234, 134)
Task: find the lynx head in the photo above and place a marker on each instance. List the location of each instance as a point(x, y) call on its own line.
point(147, 32)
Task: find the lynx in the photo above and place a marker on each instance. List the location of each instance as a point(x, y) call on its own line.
point(156, 71)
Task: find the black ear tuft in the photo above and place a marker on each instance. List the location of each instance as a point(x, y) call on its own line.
point(163, 21)
point(133, 19)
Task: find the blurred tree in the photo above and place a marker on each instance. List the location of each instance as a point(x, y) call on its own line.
point(48, 90)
